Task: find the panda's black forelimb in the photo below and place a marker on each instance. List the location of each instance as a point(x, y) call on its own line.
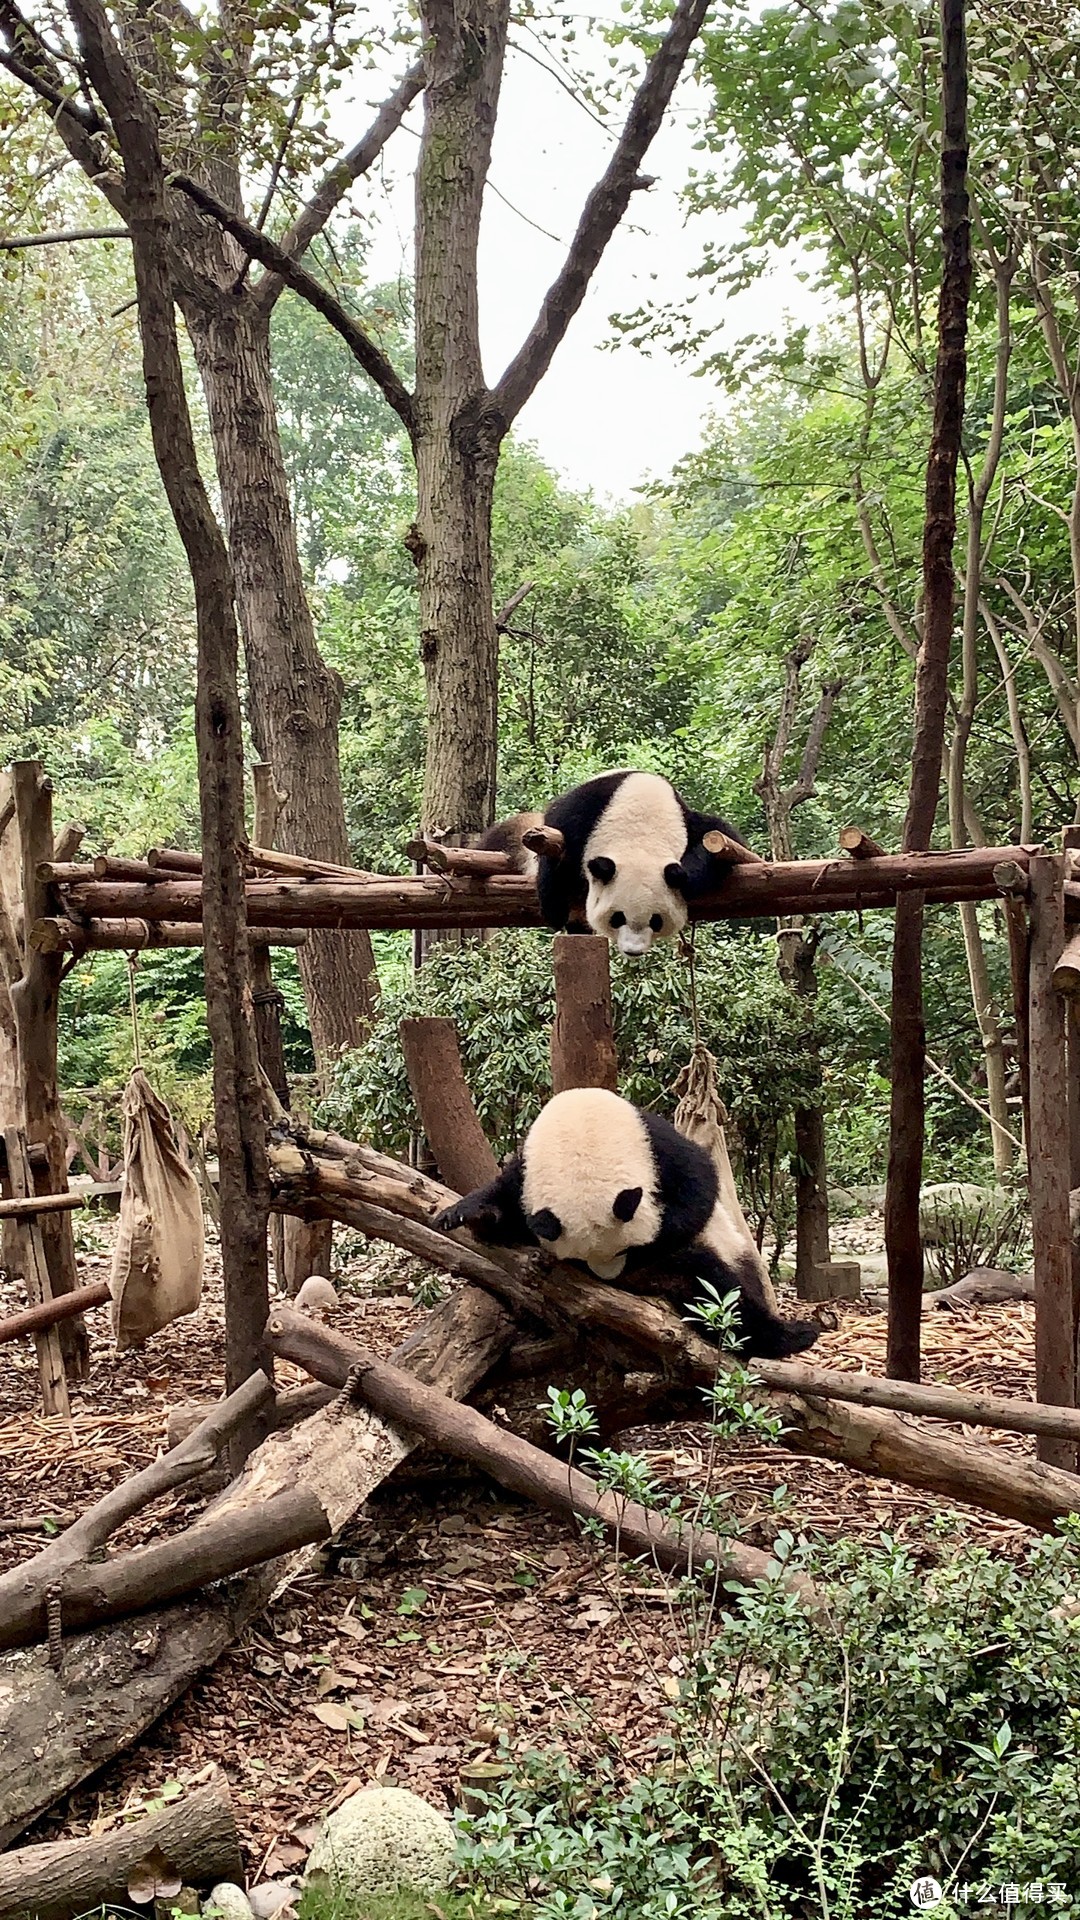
point(494, 1212)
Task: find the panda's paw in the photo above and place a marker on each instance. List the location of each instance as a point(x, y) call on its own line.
point(798, 1335)
point(451, 1217)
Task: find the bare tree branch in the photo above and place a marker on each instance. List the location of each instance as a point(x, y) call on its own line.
point(603, 211)
point(804, 788)
point(270, 255)
point(82, 130)
point(64, 239)
point(313, 217)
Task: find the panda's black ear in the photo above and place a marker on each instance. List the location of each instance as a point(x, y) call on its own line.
point(602, 869)
point(625, 1204)
point(545, 1224)
point(676, 876)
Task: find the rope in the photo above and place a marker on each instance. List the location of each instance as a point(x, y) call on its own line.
point(136, 1049)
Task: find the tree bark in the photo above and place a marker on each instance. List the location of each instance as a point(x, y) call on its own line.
point(908, 1053)
point(1048, 1156)
point(458, 431)
point(294, 699)
point(582, 1035)
point(35, 996)
point(238, 1100)
point(444, 1103)
point(197, 1836)
point(511, 1461)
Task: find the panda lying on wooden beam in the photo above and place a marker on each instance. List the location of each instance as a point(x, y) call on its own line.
point(601, 1182)
point(632, 858)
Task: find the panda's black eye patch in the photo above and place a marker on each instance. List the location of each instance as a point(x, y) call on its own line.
point(545, 1224)
point(626, 1203)
point(618, 920)
point(657, 923)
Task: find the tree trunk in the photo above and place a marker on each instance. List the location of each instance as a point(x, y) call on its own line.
point(458, 428)
point(244, 1186)
point(908, 1055)
point(294, 698)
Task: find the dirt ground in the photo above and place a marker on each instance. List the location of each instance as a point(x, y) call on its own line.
point(448, 1616)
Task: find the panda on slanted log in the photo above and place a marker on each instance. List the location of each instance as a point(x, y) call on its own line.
point(633, 857)
point(601, 1182)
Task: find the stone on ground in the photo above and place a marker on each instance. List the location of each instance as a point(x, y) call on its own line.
point(380, 1839)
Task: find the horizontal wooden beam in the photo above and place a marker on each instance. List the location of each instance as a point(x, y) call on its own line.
point(65, 1307)
point(59, 935)
point(757, 889)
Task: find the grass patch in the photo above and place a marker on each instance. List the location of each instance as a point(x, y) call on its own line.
point(334, 1903)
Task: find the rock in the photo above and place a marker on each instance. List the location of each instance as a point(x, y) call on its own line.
point(381, 1839)
point(317, 1295)
point(952, 1199)
point(228, 1902)
point(272, 1897)
point(982, 1287)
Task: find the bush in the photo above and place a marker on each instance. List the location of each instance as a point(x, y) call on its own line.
point(929, 1726)
point(500, 997)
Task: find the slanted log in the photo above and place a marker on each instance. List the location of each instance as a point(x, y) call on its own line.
point(33, 1319)
point(1067, 968)
point(197, 1835)
point(216, 1547)
point(24, 1588)
point(55, 1728)
point(583, 1033)
point(547, 841)
point(723, 847)
point(511, 1461)
point(479, 862)
point(444, 1103)
point(173, 860)
point(299, 865)
point(859, 845)
point(59, 1724)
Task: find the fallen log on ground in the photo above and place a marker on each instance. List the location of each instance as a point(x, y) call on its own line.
point(196, 1835)
point(511, 1461)
point(32, 1319)
point(23, 1590)
point(216, 1547)
point(59, 1724)
point(873, 1441)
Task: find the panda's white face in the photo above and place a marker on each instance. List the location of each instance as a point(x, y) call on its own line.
point(589, 1180)
point(633, 905)
point(633, 861)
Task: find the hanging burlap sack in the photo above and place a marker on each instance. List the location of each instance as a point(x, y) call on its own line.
point(158, 1263)
point(701, 1117)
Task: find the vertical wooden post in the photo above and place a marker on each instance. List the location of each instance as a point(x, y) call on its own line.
point(1048, 1155)
point(26, 1244)
point(267, 999)
point(1019, 932)
point(450, 1121)
point(583, 1034)
point(35, 1005)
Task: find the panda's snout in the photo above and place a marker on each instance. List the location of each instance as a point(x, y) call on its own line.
point(633, 940)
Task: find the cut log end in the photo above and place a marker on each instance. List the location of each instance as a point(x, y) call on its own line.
point(722, 847)
point(859, 845)
point(547, 841)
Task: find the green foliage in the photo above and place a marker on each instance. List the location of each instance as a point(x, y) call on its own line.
point(333, 1903)
point(928, 1724)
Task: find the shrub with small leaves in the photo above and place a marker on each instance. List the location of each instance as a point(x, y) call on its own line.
point(926, 1724)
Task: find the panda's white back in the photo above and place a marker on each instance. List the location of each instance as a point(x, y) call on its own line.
point(585, 1147)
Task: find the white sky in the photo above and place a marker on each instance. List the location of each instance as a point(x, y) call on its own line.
point(604, 420)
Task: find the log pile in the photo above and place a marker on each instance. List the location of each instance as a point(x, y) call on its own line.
point(107, 901)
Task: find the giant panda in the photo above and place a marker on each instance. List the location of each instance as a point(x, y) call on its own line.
point(603, 1183)
point(633, 857)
